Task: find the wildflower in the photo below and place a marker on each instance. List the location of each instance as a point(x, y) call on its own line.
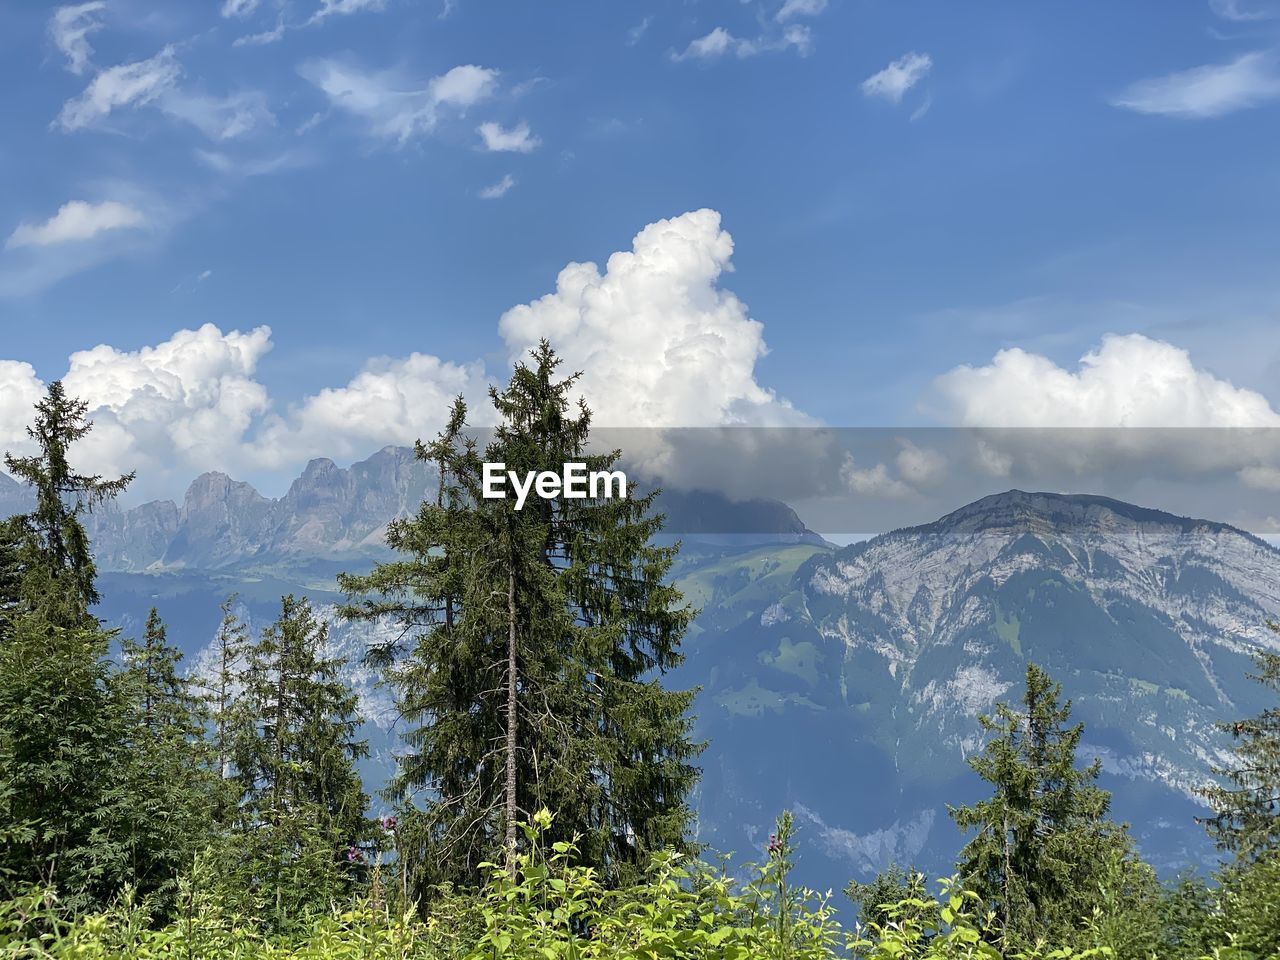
point(354, 854)
point(775, 845)
point(389, 824)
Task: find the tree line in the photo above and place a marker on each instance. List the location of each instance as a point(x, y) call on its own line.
point(527, 651)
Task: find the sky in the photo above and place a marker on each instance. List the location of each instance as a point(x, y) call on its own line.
point(252, 232)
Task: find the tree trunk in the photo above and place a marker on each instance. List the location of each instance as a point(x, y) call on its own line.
point(511, 718)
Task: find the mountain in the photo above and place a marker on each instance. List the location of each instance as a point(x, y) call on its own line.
point(341, 514)
point(850, 693)
point(844, 684)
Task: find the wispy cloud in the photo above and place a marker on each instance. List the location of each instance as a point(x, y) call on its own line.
point(341, 8)
point(800, 8)
point(516, 140)
point(1208, 91)
point(392, 108)
point(273, 35)
point(155, 82)
point(1242, 11)
point(128, 84)
point(238, 8)
point(77, 220)
point(636, 33)
point(893, 82)
point(69, 28)
point(494, 191)
point(720, 43)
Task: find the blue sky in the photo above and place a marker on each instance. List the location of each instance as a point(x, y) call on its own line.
point(909, 188)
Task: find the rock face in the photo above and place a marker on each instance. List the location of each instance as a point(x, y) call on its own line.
point(851, 695)
point(334, 514)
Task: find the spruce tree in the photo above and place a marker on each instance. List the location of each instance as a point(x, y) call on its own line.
point(165, 786)
point(539, 637)
point(1043, 843)
point(1247, 807)
point(302, 822)
point(60, 722)
point(60, 572)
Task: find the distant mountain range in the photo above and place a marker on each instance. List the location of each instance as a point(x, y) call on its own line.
point(336, 513)
point(841, 683)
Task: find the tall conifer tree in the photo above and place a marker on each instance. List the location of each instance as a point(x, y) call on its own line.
point(59, 720)
point(1043, 844)
point(1247, 805)
point(539, 637)
point(302, 813)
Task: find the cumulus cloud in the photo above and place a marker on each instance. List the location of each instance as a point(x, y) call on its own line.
point(77, 220)
point(893, 82)
point(69, 28)
point(659, 341)
point(499, 189)
point(128, 84)
point(1208, 91)
point(391, 108)
point(20, 390)
point(1128, 381)
point(391, 401)
point(516, 140)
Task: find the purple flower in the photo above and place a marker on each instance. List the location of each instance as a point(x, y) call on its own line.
point(389, 824)
point(775, 846)
point(354, 854)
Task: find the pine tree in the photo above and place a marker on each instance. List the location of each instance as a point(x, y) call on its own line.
point(165, 786)
point(1043, 842)
point(302, 817)
point(10, 572)
point(539, 637)
point(229, 648)
point(59, 720)
point(60, 572)
point(1247, 808)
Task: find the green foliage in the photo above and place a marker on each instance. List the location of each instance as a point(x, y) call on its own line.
point(536, 641)
point(889, 888)
point(300, 823)
point(1044, 851)
point(1247, 807)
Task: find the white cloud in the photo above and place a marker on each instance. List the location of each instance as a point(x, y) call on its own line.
point(1129, 381)
point(657, 339)
point(919, 466)
point(720, 42)
point(1209, 91)
point(155, 82)
point(263, 38)
point(390, 401)
point(496, 190)
point(341, 8)
point(393, 109)
point(516, 140)
point(1262, 478)
point(69, 28)
point(871, 481)
point(659, 342)
point(20, 390)
point(219, 118)
point(128, 84)
point(636, 33)
point(77, 220)
point(168, 410)
point(238, 8)
point(1243, 12)
point(800, 8)
point(893, 82)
